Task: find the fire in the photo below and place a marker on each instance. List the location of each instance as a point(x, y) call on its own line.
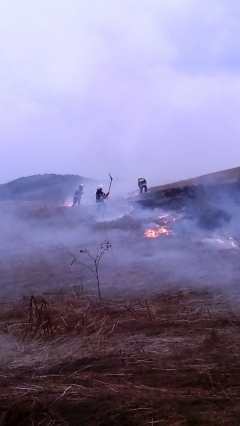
point(154, 233)
point(66, 204)
point(166, 218)
point(163, 225)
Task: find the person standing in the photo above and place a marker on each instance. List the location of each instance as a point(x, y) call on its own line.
point(142, 185)
point(77, 196)
point(100, 195)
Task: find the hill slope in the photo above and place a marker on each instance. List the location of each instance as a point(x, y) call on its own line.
point(198, 191)
point(41, 187)
point(221, 177)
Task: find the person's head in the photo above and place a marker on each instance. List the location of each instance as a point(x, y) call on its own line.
point(81, 186)
point(100, 187)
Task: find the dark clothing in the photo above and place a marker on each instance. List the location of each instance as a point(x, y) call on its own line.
point(78, 192)
point(142, 185)
point(100, 196)
point(76, 201)
point(77, 197)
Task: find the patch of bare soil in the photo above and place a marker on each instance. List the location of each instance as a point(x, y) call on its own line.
point(170, 360)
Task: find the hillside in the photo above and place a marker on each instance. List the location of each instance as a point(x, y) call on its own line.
point(221, 177)
point(201, 190)
point(41, 187)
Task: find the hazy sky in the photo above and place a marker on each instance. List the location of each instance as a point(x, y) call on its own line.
point(130, 87)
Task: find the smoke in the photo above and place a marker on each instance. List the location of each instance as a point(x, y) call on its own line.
point(201, 247)
point(132, 88)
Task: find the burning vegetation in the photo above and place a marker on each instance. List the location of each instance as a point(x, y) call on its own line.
point(154, 233)
point(163, 223)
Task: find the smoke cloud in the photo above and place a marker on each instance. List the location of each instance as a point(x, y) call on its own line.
point(198, 245)
point(133, 88)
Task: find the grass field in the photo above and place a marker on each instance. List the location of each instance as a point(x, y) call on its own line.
point(170, 360)
point(161, 347)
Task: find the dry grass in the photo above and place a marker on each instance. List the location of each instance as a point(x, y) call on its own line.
point(171, 360)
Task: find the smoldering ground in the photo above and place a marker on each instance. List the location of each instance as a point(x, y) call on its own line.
point(151, 249)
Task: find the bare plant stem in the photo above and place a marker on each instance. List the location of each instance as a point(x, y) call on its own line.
point(102, 248)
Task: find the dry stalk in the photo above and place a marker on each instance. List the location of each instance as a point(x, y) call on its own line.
point(95, 261)
point(39, 319)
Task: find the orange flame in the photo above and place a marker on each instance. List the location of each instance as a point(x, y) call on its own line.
point(154, 233)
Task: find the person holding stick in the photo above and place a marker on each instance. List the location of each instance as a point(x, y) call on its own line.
point(100, 195)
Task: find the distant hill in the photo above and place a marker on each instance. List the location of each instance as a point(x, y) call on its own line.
point(44, 187)
point(222, 177)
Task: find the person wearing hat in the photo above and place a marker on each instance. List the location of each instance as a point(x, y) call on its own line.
point(77, 196)
point(142, 185)
point(100, 195)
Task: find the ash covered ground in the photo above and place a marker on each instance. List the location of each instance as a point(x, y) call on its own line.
point(182, 242)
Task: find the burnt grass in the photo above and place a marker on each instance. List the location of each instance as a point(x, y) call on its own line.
point(170, 360)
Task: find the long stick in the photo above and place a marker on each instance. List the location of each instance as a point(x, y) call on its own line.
point(111, 179)
point(131, 193)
